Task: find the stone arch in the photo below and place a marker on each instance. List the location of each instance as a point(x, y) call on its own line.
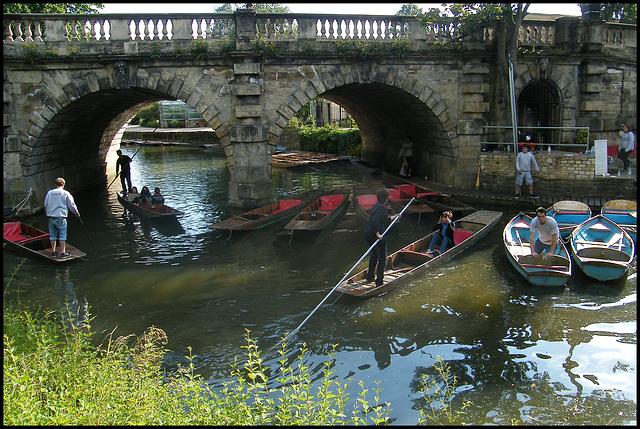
point(540, 101)
point(428, 119)
point(72, 118)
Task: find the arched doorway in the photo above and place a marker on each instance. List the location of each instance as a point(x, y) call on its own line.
point(539, 106)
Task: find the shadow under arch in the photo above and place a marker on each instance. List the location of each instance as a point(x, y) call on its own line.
point(540, 105)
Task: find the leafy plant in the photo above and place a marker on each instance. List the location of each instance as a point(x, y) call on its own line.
point(155, 49)
point(74, 52)
point(227, 48)
point(330, 139)
point(199, 49)
point(266, 48)
point(31, 53)
point(438, 393)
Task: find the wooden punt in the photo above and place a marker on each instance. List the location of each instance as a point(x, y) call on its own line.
point(412, 260)
point(624, 213)
point(399, 197)
point(542, 270)
point(267, 214)
point(149, 211)
point(321, 212)
point(435, 200)
point(601, 248)
point(31, 241)
point(569, 214)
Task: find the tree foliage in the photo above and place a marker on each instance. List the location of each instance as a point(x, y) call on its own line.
point(52, 7)
point(257, 7)
point(622, 12)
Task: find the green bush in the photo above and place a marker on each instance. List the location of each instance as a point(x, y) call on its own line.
point(57, 377)
point(147, 117)
point(330, 139)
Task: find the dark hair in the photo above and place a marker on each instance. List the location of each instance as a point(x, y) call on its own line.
point(526, 145)
point(382, 195)
point(541, 210)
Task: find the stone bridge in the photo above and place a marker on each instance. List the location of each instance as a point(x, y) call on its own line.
point(72, 81)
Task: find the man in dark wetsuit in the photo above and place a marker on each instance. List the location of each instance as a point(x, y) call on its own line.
point(378, 222)
point(124, 163)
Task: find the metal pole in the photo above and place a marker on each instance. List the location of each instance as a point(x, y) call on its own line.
point(514, 122)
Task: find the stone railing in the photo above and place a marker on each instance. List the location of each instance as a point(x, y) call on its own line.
point(620, 35)
point(537, 33)
point(40, 28)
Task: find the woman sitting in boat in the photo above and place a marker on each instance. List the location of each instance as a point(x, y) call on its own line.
point(157, 197)
point(443, 235)
point(144, 198)
point(133, 194)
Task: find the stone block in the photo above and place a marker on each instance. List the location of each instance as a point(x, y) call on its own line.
point(475, 68)
point(595, 69)
point(475, 107)
point(593, 87)
point(248, 111)
point(472, 88)
point(246, 68)
point(247, 133)
point(592, 106)
point(246, 89)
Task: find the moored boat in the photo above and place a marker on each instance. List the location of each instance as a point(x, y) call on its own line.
point(399, 197)
point(322, 211)
point(412, 260)
point(542, 270)
point(624, 213)
point(34, 242)
point(601, 248)
point(569, 214)
point(267, 214)
point(150, 211)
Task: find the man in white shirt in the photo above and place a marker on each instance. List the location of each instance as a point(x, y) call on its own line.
point(525, 163)
point(548, 233)
point(57, 202)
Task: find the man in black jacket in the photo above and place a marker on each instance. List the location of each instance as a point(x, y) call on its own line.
point(379, 221)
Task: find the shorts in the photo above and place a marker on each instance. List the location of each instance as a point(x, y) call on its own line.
point(526, 177)
point(58, 228)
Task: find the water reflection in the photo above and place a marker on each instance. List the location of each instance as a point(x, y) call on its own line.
point(520, 353)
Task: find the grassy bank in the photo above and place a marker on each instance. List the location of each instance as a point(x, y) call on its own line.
point(53, 376)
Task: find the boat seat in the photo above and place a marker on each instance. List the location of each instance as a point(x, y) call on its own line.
point(367, 201)
point(460, 235)
point(329, 203)
point(408, 189)
point(13, 232)
point(548, 267)
point(395, 194)
point(572, 212)
point(599, 227)
point(427, 194)
point(618, 212)
point(287, 204)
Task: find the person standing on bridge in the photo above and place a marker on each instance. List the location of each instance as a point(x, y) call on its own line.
point(626, 146)
point(57, 202)
point(124, 162)
point(525, 163)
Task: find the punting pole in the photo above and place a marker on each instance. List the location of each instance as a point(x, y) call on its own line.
point(352, 268)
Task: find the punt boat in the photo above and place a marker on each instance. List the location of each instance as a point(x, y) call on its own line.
point(34, 242)
point(412, 260)
point(601, 248)
point(569, 214)
point(624, 213)
point(542, 270)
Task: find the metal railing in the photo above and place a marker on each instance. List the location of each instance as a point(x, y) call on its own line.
point(504, 140)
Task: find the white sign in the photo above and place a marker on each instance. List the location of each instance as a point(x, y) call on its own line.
point(602, 162)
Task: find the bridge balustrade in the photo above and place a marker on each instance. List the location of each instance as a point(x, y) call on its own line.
point(41, 28)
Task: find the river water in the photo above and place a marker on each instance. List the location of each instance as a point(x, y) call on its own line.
point(519, 353)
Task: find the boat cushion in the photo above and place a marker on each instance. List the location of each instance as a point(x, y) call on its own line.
point(427, 194)
point(459, 235)
point(572, 212)
point(287, 204)
point(619, 212)
point(13, 232)
point(395, 194)
point(408, 189)
point(329, 203)
point(367, 201)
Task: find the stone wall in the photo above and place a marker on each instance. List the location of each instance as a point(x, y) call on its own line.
point(563, 175)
